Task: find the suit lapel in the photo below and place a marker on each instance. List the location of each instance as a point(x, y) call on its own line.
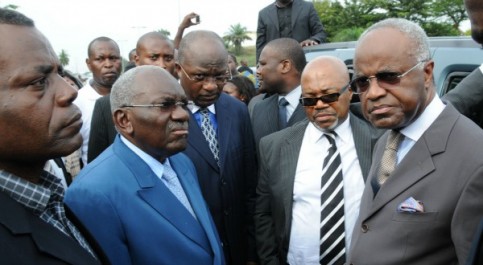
point(224, 117)
point(363, 143)
point(297, 115)
point(296, 10)
point(197, 140)
point(158, 196)
point(418, 162)
point(272, 15)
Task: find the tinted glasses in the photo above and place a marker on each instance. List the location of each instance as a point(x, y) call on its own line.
point(384, 79)
point(329, 98)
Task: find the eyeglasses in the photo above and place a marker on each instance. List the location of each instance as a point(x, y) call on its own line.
point(219, 79)
point(169, 105)
point(384, 79)
point(329, 98)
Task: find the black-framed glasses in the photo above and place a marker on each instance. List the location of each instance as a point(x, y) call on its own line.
point(169, 105)
point(329, 98)
point(219, 79)
point(384, 79)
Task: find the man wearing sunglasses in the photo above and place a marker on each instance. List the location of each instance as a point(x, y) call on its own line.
point(291, 162)
point(422, 200)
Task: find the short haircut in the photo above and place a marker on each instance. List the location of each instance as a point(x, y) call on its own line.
point(290, 49)
point(412, 30)
point(153, 35)
point(188, 41)
point(99, 39)
point(12, 17)
point(245, 86)
point(123, 91)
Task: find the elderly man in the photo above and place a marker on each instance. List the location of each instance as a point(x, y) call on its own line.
point(140, 198)
point(39, 122)
point(422, 200)
point(290, 209)
point(152, 48)
point(220, 142)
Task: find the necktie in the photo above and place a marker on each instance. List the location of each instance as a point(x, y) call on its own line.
point(332, 228)
point(389, 159)
point(282, 113)
point(172, 182)
point(209, 133)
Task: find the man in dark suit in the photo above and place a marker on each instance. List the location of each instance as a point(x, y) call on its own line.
point(39, 122)
point(220, 142)
point(279, 69)
point(153, 48)
point(296, 19)
point(287, 214)
point(140, 198)
point(422, 201)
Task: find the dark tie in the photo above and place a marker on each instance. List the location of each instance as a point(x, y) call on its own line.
point(332, 228)
point(388, 161)
point(282, 113)
point(209, 133)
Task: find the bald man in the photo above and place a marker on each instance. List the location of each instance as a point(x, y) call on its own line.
point(288, 207)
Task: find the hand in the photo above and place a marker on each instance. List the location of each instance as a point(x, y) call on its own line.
point(187, 21)
point(308, 42)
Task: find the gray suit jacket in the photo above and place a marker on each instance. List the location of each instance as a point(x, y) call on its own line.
point(279, 154)
point(305, 24)
point(443, 170)
point(265, 117)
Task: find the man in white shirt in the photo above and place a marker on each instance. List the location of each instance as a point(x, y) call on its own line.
point(104, 61)
point(288, 208)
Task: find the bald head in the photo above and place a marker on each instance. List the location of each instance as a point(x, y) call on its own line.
point(326, 79)
point(213, 47)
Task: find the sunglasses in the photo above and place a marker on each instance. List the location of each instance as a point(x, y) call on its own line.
point(384, 79)
point(329, 98)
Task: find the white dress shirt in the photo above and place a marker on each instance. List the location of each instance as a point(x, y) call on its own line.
point(293, 101)
point(86, 99)
point(305, 233)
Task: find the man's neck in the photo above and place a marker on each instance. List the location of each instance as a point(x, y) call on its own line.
point(101, 90)
point(282, 5)
point(30, 172)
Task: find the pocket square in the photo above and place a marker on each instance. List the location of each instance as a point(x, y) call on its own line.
point(410, 205)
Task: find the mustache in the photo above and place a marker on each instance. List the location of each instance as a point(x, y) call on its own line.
point(181, 125)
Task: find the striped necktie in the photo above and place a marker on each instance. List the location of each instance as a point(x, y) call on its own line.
point(388, 160)
point(209, 133)
point(332, 228)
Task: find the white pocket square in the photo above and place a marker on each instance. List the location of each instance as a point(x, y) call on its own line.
point(410, 205)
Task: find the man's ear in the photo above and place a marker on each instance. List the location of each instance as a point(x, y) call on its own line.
point(122, 120)
point(286, 66)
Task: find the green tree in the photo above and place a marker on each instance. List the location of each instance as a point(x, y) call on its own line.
point(63, 58)
point(11, 7)
point(236, 35)
point(165, 32)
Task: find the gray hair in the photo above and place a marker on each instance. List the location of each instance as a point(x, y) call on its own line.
point(412, 30)
point(123, 91)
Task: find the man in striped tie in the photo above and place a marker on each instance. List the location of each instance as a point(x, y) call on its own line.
point(312, 174)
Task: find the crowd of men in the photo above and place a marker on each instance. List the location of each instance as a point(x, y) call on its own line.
point(174, 171)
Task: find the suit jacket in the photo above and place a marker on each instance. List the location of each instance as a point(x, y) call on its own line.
point(476, 253)
point(305, 24)
point(443, 170)
point(265, 117)
point(467, 96)
point(103, 132)
point(230, 189)
point(26, 239)
point(135, 217)
point(279, 154)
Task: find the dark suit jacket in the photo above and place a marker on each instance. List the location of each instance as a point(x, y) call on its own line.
point(103, 132)
point(467, 97)
point(265, 117)
point(279, 154)
point(229, 190)
point(305, 24)
point(136, 218)
point(26, 239)
point(443, 170)
point(476, 253)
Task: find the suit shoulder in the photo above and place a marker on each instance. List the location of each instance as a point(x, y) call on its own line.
point(276, 137)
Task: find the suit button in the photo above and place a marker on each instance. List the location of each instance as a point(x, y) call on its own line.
point(223, 182)
point(364, 228)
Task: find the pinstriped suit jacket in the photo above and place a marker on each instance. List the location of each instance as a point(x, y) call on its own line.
point(279, 154)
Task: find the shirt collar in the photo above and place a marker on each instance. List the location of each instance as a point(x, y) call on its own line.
point(194, 108)
point(293, 97)
point(415, 130)
point(154, 164)
point(343, 131)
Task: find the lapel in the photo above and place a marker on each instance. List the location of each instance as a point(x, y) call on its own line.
point(271, 110)
point(197, 140)
point(296, 10)
point(271, 13)
point(364, 141)
point(224, 117)
point(46, 238)
point(297, 115)
point(289, 154)
point(153, 191)
point(418, 162)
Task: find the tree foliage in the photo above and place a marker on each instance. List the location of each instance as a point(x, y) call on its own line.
point(236, 35)
point(344, 19)
point(64, 58)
